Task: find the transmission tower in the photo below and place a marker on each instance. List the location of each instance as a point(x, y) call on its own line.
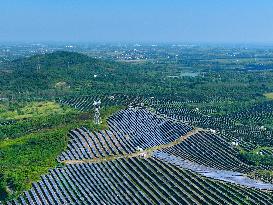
point(97, 118)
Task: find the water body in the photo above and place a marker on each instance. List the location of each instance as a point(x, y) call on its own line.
point(189, 74)
point(228, 176)
point(184, 74)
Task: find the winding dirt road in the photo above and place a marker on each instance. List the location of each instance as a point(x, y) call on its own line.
point(147, 152)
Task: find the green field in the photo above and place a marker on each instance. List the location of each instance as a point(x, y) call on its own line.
point(269, 95)
point(25, 157)
point(32, 110)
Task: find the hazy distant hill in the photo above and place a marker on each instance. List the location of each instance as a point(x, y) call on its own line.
point(59, 70)
point(59, 59)
point(62, 73)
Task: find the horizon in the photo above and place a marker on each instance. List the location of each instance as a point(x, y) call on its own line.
point(210, 22)
point(138, 43)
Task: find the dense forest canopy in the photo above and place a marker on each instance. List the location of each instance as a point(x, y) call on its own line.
point(68, 73)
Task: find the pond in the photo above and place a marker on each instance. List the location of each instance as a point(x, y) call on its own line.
point(189, 74)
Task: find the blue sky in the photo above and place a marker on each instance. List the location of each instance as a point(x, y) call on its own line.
point(230, 21)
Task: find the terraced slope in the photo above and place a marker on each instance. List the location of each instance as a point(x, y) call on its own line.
point(146, 129)
point(122, 138)
point(129, 178)
point(250, 127)
point(134, 181)
point(210, 150)
point(84, 144)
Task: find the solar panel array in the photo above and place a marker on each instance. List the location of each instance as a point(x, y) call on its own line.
point(135, 180)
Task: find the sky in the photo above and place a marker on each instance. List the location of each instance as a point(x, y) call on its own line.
point(208, 21)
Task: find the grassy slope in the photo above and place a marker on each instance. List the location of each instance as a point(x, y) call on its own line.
point(269, 96)
point(34, 116)
point(34, 109)
point(25, 158)
point(255, 158)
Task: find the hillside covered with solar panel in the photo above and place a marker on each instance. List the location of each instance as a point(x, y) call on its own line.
point(194, 128)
